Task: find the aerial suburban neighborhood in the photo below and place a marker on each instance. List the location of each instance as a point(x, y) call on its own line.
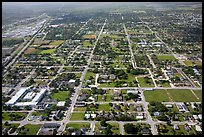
point(132, 69)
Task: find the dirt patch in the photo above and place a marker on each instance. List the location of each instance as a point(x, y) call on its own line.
point(31, 51)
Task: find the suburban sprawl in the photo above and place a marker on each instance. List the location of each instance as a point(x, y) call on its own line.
point(117, 72)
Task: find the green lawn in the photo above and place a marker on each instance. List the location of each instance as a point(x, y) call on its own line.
point(80, 109)
point(60, 96)
point(188, 62)
point(48, 51)
point(198, 94)
point(89, 74)
point(78, 75)
point(111, 84)
point(156, 95)
point(10, 125)
point(178, 74)
point(165, 57)
point(58, 42)
point(198, 63)
point(182, 129)
point(115, 125)
point(166, 84)
point(86, 43)
point(142, 82)
point(107, 96)
point(39, 113)
point(104, 107)
point(182, 95)
point(33, 129)
point(77, 116)
point(130, 78)
point(169, 128)
point(109, 35)
point(78, 125)
point(118, 65)
point(7, 115)
point(174, 109)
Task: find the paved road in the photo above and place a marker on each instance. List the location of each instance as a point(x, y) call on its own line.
point(74, 99)
point(184, 75)
point(92, 126)
point(129, 44)
point(146, 88)
point(149, 118)
point(121, 127)
point(151, 61)
point(152, 77)
point(26, 46)
point(180, 61)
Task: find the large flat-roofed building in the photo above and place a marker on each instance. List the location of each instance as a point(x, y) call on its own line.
point(39, 95)
point(23, 104)
point(29, 96)
point(36, 97)
point(17, 96)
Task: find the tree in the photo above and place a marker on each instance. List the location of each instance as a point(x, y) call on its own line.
point(103, 122)
point(108, 130)
point(130, 128)
point(111, 104)
point(7, 123)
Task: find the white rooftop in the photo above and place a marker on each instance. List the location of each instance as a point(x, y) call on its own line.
point(198, 128)
point(39, 95)
point(72, 81)
point(60, 103)
point(17, 96)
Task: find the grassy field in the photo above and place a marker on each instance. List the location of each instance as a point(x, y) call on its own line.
point(89, 74)
point(165, 57)
point(115, 125)
point(178, 74)
point(48, 51)
point(104, 107)
point(7, 115)
point(158, 95)
point(182, 129)
point(198, 63)
point(188, 63)
point(33, 129)
point(78, 75)
point(166, 84)
point(78, 125)
point(130, 78)
point(118, 65)
point(112, 84)
point(10, 125)
point(39, 113)
point(60, 96)
point(77, 116)
point(107, 96)
point(86, 43)
point(166, 127)
point(142, 82)
point(80, 109)
point(109, 35)
point(182, 95)
point(198, 94)
point(58, 42)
